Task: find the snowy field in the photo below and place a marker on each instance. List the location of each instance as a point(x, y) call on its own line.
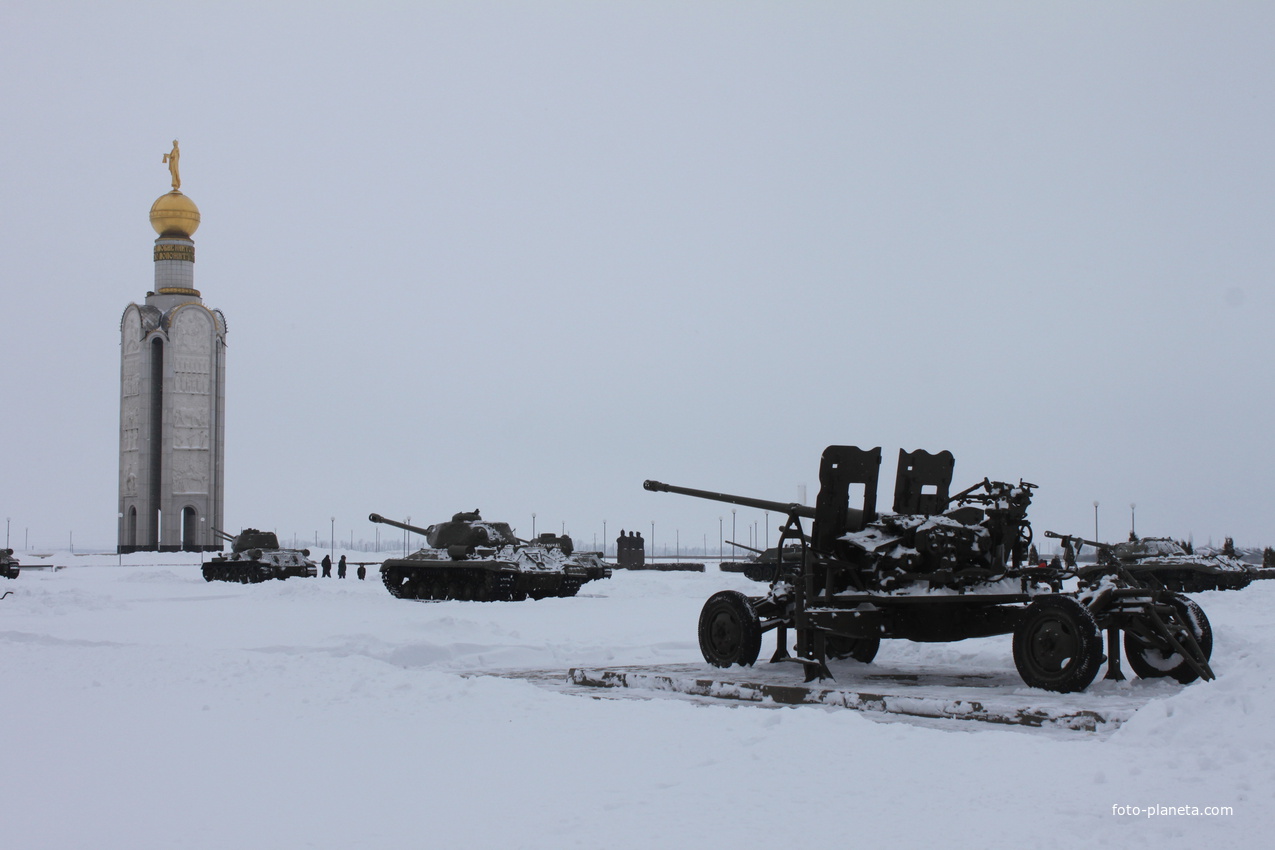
point(143, 707)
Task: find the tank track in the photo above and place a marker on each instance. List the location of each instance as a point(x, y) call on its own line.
point(251, 572)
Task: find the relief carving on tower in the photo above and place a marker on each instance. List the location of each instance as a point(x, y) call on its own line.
point(132, 332)
point(191, 332)
point(131, 369)
point(130, 475)
point(190, 474)
point(191, 346)
point(190, 428)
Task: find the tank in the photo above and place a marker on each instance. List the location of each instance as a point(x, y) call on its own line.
point(469, 558)
point(764, 566)
point(256, 556)
point(1176, 568)
point(8, 564)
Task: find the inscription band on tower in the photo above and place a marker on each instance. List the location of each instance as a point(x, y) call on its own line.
point(175, 252)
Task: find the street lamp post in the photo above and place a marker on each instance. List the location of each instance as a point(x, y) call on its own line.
point(721, 549)
point(533, 526)
point(767, 546)
point(1133, 519)
point(1095, 520)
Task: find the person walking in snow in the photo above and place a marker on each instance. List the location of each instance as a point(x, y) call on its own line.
point(362, 572)
point(340, 568)
point(327, 566)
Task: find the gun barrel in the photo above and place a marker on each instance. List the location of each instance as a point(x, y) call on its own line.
point(1082, 541)
point(223, 535)
point(396, 524)
point(789, 509)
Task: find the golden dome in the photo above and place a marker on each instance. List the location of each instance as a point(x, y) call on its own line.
point(174, 214)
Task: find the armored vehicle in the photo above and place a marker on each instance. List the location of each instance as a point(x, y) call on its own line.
point(256, 556)
point(764, 566)
point(1167, 562)
point(943, 568)
point(8, 564)
point(472, 559)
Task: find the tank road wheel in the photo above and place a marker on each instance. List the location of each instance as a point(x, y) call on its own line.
point(1152, 659)
point(729, 631)
point(393, 581)
point(860, 649)
point(1057, 646)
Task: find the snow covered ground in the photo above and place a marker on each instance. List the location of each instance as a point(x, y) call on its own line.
point(143, 707)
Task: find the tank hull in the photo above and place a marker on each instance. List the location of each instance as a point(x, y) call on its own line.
point(483, 579)
point(256, 566)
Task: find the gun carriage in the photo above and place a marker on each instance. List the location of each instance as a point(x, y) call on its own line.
point(472, 559)
point(942, 568)
point(256, 556)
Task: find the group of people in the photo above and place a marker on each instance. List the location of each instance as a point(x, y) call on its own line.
point(340, 568)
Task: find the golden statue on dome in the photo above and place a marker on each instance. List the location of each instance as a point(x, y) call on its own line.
point(174, 214)
point(171, 158)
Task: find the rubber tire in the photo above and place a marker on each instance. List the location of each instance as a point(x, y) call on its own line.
point(862, 650)
point(1041, 661)
point(729, 630)
point(1138, 651)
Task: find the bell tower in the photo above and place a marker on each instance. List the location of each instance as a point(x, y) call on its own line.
point(172, 396)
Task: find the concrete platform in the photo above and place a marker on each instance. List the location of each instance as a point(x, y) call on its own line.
point(999, 698)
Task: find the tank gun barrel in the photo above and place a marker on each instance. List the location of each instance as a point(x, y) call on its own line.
point(1078, 540)
point(789, 509)
point(747, 548)
point(396, 524)
point(223, 535)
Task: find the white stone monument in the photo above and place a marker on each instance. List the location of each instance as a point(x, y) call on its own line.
point(172, 396)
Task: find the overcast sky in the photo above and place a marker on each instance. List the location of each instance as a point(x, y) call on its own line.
point(522, 256)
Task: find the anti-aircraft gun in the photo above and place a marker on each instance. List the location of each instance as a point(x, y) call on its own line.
point(469, 558)
point(9, 567)
point(940, 568)
point(256, 556)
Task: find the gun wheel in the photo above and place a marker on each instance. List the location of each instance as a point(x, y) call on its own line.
point(862, 650)
point(1057, 645)
point(1150, 655)
point(729, 631)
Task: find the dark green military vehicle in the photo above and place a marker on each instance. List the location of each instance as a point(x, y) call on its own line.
point(469, 558)
point(8, 564)
point(256, 556)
